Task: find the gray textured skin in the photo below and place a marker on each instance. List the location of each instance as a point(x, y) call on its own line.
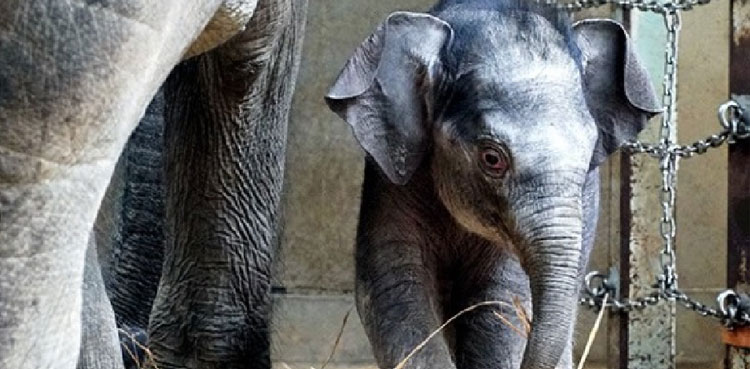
point(226, 125)
point(424, 95)
point(130, 231)
point(135, 269)
point(100, 345)
point(75, 77)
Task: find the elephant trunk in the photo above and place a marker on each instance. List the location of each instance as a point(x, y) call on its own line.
point(552, 258)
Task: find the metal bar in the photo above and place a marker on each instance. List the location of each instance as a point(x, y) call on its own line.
point(619, 335)
point(738, 209)
point(619, 358)
point(647, 337)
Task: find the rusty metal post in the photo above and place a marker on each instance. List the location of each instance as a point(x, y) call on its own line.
point(738, 217)
point(647, 337)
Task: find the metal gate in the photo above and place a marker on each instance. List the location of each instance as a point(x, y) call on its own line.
point(645, 299)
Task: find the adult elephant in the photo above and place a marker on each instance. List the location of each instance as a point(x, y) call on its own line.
point(75, 77)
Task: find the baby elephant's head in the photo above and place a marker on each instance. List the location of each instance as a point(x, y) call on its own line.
point(510, 111)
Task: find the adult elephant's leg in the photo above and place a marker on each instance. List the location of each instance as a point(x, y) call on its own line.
point(74, 79)
point(136, 247)
point(226, 122)
point(130, 231)
point(100, 346)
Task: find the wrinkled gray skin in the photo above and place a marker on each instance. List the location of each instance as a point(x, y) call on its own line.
point(75, 78)
point(428, 94)
point(129, 230)
point(100, 344)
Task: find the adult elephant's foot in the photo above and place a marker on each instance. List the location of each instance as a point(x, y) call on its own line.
point(133, 342)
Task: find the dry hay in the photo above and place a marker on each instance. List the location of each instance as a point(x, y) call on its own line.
point(517, 307)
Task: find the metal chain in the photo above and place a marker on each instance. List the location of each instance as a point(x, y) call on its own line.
point(668, 227)
point(729, 312)
point(669, 153)
point(733, 127)
point(655, 6)
point(667, 280)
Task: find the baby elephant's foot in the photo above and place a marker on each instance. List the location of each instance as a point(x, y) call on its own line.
point(133, 344)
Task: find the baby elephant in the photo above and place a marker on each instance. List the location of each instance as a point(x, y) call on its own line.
point(484, 122)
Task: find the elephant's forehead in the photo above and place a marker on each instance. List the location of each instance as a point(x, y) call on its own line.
point(510, 40)
point(527, 79)
point(529, 95)
point(517, 63)
point(495, 62)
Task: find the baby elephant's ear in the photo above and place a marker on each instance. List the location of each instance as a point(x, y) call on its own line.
point(618, 89)
point(383, 90)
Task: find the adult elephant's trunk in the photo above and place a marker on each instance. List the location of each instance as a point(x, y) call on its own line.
point(551, 258)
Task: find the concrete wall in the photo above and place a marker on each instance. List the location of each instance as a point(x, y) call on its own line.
point(324, 165)
point(324, 176)
point(702, 209)
point(324, 170)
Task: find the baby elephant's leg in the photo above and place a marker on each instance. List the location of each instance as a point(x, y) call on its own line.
point(494, 336)
point(397, 305)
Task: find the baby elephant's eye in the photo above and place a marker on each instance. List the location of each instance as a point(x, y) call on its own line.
point(493, 161)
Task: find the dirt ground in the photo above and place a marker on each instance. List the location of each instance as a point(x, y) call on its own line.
point(279, 365)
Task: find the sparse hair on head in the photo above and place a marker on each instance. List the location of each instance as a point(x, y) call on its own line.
point(560, 20)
